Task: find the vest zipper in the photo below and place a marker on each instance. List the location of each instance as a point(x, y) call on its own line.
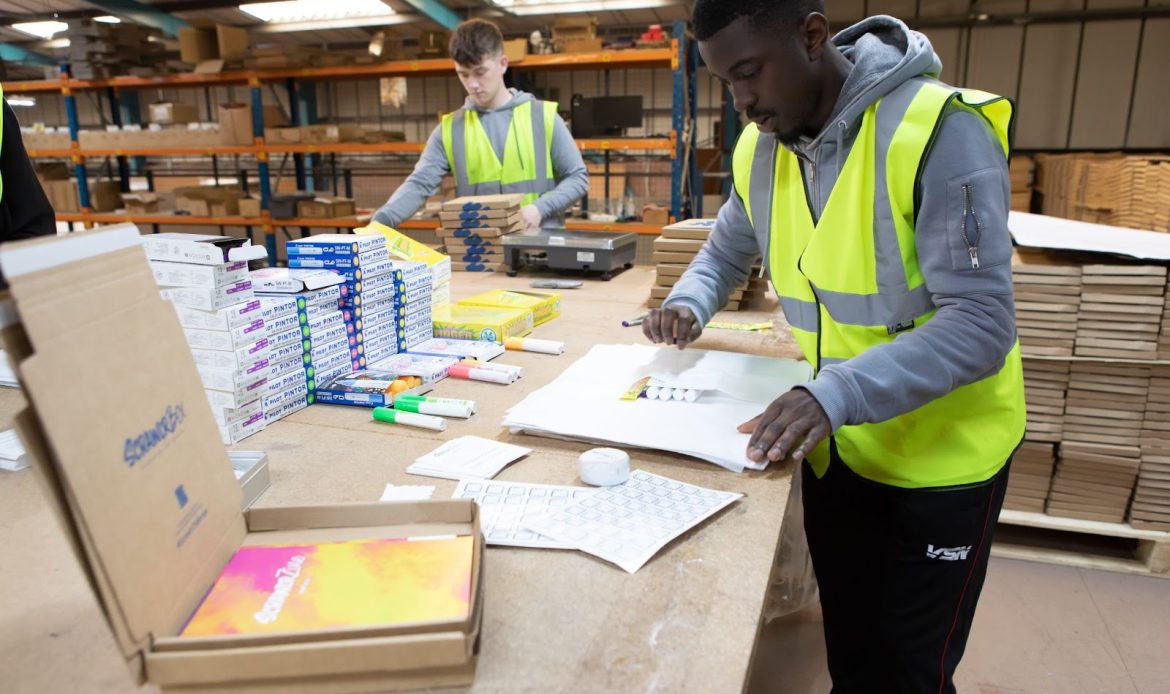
point(811, 288)
point(969, 208)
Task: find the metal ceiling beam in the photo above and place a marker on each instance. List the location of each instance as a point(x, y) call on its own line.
point(436, 12)
point(10, 53)
point(143, 14)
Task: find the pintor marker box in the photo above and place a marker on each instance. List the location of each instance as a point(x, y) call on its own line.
point(243, 393)
point(223, 319)
point(232, 378)
point(334, 244)
point(210, 299)
point(202, 276)
point(226, 340)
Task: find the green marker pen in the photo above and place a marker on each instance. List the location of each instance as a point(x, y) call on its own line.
point(430, 407)
point(450, 401)
point(425, 421)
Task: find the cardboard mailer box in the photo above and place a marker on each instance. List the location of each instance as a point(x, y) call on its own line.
point(149, 502)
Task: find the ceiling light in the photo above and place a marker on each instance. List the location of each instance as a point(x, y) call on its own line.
point(25, 101)
point(107, 19)
point(42, 30)
point(295, 11)
point(545, 7)
point(322, 24)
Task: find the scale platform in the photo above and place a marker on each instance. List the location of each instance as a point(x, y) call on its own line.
point(562, 249)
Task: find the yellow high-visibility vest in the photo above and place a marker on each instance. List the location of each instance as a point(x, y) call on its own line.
point(527, 164)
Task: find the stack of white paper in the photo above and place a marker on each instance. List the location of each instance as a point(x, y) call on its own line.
point(585, 403)
point(12, 454)
point(468, 457)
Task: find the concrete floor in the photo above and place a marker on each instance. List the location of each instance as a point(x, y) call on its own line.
point(1039, 628)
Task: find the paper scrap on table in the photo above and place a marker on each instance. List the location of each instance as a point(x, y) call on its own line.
point(505, 508)
point(12, 454)
point(468, 457)
point(629, 523)
point(7, 375)
point(407, 492)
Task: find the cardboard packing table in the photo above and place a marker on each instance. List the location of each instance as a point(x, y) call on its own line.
point(553, 620)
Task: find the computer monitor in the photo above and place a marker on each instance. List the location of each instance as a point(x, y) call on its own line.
point(604, 115)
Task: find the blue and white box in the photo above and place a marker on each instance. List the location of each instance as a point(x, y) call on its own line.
point(335, 244)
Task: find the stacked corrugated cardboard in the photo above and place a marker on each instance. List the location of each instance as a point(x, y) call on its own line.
point(1030, 477)
point(471, 230)
point(1022, 171)
point(1129, 191)
point(1121, 311)
point(1099, 462)
point(1045, 390)
point(1151, 500)
point(1048, 297)
point(1164, 331)
point(100, 51)
point(674, 250)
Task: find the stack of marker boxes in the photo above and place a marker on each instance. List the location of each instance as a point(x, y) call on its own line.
point(417, 284)
point(224, 326)
point(373, 291)
point(472, 229)
point(315, 343)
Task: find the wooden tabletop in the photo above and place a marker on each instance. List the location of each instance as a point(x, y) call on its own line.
point(553, 620)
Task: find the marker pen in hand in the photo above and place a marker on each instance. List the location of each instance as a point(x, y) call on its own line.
point(425, 421)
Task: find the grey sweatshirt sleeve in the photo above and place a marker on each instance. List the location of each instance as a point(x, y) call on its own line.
point(422, 183)
point(721, 265)
point(973, 328)
point(569, 171)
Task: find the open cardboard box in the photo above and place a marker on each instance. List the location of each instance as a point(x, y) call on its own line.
point(149, 501)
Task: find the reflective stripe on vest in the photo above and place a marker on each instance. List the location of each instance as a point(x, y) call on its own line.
point(526, 168)
point(1, 139)
point(851, 281)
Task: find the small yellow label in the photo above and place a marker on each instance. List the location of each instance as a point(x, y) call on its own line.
point(747, 327)
point(635, 391)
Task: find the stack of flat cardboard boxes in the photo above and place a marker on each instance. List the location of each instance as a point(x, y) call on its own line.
point(676, 247)
point(101, 51)
point(1048, 298)
point(223, 324)
point(1151, 499)
point(1030, 477)
point(1122, 190)
point(1022, 172)
point(471, 229)
point(1121, 311)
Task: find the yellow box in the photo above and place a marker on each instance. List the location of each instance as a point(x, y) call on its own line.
point(406, 248)
point(544, 305)
point(477, 323)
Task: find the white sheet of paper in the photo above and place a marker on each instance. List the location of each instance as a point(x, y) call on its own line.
point(505, 508)
point(7, 375)
point(1041, 231)
point(12, 454)
point(468, 457)
point(407, 492)
point(584, 401)
point(629, 523)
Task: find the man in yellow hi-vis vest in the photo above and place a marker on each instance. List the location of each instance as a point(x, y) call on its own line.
point(501, 141)
point(878, 198)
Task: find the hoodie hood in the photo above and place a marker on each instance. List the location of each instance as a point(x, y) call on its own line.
point(518, 97)
point(885, 53)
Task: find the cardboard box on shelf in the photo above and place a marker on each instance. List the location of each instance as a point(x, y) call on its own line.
point(171, 113)
point(206, 41)
point(51, 171)
point(140, 203)
point(326, 207)
point(579, 45)
point(655, 214)
point(516, 50)
point(62, 195)
point(45, 140)
point(208, 201)
point(185, 515)
point(104, 196)
point(235, 123)
point(249, 206)
point(574, 27)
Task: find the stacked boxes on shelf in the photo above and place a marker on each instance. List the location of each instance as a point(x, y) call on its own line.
point(1121, 311)
point(1045, 390)
point(471, 229)
point(1151, 499)
point(98, 50)
point(1099, 460)
point(305, 308)
point(223, 323)
point(676, 247)
point(1047, 299)
point(1030, 477)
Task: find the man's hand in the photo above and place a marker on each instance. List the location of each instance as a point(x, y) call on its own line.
point(531, 216)
point(794, 423)
point(672, 326)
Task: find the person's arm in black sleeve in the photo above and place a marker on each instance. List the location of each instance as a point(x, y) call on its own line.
point(25, 212)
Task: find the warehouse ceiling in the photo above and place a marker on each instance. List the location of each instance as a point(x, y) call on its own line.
point(413, 21)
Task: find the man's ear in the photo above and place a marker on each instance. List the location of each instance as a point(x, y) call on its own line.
point(503, 64)
point(815, 31)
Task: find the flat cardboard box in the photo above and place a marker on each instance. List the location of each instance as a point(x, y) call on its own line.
point(140, 203)
point(249, 207)
point(199, 44)
point(516, 50)
point(580, 45)
point(184, 516)
point(326, 207)
point(171, 113)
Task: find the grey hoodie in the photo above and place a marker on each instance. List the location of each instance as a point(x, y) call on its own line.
point(568, 168)
point(974, 326)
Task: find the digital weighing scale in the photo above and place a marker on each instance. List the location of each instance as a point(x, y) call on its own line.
point(562, 249)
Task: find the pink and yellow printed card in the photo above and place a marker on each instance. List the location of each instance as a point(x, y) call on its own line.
point(281, 588)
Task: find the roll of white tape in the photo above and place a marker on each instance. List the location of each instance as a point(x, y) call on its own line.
point(604, 467)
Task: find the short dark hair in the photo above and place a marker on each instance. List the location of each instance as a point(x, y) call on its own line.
point(712, 16)
point(475, 40)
